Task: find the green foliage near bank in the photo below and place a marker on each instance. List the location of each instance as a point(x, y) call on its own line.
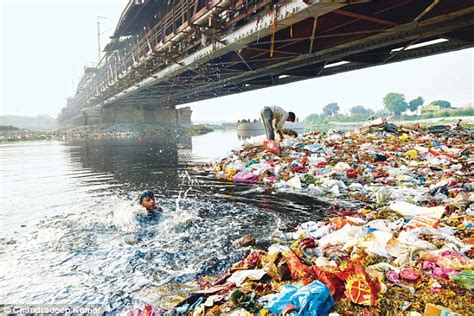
point(360, 110)
point(414, 104)
point(196, 130)
point(331, 109)
point(395, 103)
point(221, 126)
point(448, 113)
point(316, 122)
point(8, 128)
point(442, 104)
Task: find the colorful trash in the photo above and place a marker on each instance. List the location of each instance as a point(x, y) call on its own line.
point(407, 248)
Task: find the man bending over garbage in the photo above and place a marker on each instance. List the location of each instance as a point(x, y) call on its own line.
point(275, 115)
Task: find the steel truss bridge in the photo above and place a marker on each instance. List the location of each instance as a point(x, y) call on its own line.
point(164, 54)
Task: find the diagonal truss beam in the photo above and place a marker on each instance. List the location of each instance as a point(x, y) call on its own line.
point(364, 17)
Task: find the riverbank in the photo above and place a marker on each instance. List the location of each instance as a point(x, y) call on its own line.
point(196, 130)
point(99, 131)
point(408, 249)
point(326, 125)
point(14, 134)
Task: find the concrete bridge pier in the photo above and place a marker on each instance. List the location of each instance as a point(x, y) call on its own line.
point(165, 117)
point(92, 115)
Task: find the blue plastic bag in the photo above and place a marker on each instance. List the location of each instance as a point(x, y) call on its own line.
point(277, 302)
point(312, 299)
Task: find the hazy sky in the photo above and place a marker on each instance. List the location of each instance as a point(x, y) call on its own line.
point(45, 44)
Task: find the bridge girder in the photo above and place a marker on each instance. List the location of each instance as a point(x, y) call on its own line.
point(292, 42)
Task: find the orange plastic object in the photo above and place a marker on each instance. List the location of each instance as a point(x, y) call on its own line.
point(272, 147)
point(297, 268)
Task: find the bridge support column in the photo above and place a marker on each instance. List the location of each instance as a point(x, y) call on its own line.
point(92, 115)
point(165, 117)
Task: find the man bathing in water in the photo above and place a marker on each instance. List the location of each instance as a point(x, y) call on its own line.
point(148, 201)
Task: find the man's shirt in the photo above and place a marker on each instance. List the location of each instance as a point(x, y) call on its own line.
point(279, 116)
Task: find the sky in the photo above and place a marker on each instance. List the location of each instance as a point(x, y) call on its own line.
point(45, 44)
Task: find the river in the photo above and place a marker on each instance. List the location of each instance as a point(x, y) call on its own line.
point(70, 233)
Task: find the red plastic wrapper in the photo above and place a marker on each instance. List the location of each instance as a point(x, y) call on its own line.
point(308, 243)
point(351, 173)
point(272, 147)
point(250, 262)
point(409, 274)
point(335, 285)
point(298, 269)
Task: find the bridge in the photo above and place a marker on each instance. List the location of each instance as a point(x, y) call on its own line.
point(167, 53)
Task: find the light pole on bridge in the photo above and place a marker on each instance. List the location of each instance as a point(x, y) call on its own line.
point(99, 52)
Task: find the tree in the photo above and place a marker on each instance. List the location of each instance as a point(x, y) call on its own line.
point(360, 110)
point(395, 103)
point(442, 104)
point(331, 109)
point(414, 104)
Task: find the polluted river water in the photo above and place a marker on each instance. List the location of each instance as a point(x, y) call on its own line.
point(72, 233)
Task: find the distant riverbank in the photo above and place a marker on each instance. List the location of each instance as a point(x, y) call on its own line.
point(119, 130)
point(125, 130)
point(467, 121)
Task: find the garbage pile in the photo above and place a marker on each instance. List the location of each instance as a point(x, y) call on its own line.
point(408, 250)
point(14, 135)
point(116, 130)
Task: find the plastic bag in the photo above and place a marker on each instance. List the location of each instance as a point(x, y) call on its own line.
point(294, 182)
point(277, 302)
point(412, 154)
point(313, 147)
point(341, 166)
point(272, 147)
point(312, 299)
point(249, 177)
point(465, 278)
point(409, 210)
point(348, 233)
point(238, 277)
point(287, 143)
point(448, 259)
point(376, 243)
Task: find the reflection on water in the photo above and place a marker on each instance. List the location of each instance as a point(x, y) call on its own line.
point(134, 163)
point(248, 133)
point(69, 215)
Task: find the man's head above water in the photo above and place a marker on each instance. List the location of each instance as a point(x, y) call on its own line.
point(147, 200)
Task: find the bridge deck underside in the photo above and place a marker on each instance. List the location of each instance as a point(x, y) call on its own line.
point(362, 35)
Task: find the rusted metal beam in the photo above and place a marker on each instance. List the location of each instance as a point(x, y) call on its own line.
point(396, 5)
point(313, 32)
point(266, 51)
point(427, 10)
point(427, 29)
point(364, 17)
point(243, 60)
